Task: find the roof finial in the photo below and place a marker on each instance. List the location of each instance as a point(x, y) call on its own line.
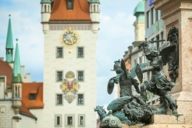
point(17, 40)
point(9, 15)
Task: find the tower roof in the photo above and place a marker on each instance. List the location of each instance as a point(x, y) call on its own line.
point(17, 66)
point(9, 41)
point(140, 8)
point(45, 1)
point(80, 11)
point(94, 1)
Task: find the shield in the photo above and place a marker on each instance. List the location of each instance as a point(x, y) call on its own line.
point(139, 73)
point(110, 86)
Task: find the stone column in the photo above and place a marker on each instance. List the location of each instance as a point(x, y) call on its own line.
point(178, 13)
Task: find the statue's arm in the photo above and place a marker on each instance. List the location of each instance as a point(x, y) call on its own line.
point(136, 85)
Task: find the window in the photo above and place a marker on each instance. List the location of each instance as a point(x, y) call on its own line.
point(148, 19)
point(156, 15)
point(81, 120)
point(80, 100)
point(59, 52)
point(32, 96)
point(59, 99)
point(80, 75)
point(59, 76)
point(58, 120)
point(2, 80)
point(69, 4)
point(135, 61)
point(80, 52)
point(70, 120)
point(140, 60)
point(152, 11)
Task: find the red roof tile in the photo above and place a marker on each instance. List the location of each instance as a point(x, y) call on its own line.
point(6, 70)
point(79, 12)
point(32, 88)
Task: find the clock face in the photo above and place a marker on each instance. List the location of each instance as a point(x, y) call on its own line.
point(70, 37)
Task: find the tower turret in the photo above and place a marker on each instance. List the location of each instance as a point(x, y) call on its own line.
point(17, 81)
point(139, 24)
point(95, 13)
point(9, 43)
point(45, 13)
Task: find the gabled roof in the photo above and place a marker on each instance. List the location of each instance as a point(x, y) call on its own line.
point(80, 11)
point(27, 103)
point(32, 88)
point(6, 70)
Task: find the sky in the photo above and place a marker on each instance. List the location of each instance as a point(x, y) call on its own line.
point(115, 35)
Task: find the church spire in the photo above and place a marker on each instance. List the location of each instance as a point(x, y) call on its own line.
point(9, 42)
point(17, 66)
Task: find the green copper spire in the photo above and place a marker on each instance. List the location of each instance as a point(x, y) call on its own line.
point(140, 8)
point(9, 43)
point(17, 66)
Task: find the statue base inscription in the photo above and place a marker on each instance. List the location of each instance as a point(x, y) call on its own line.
point(167, 121)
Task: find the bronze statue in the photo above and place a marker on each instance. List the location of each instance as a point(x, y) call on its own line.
point(124, 79)
point(159, 84)
point(130, 109)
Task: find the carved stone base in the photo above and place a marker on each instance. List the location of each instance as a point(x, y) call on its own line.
point(167, 121)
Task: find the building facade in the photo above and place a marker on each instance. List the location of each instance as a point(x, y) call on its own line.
point(154, 26)
point(70, 34)
point(18, 95)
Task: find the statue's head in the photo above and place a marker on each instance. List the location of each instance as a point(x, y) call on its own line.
point(117, 64)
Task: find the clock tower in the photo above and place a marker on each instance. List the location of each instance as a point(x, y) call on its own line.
point(70, 30)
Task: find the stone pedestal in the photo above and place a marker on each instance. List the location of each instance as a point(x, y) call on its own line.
point(167, 121)
point(178, 13)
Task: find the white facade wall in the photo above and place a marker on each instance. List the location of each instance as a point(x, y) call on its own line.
point(69, 62)
point(6, 114)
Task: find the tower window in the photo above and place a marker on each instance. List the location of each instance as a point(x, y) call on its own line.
point(58, 120)
point(81, 120)
point(70, 4)
point(59, 52)
point(59, 99)
point(80, 75)
point(70, 120)
point(2, 80)
point(59, 76)
point(80, 100)
point(80, 52)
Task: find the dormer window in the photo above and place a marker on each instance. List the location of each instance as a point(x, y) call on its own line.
point(32, 96)
point(70, 4)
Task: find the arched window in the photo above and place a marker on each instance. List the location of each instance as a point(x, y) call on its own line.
point(95, 8)
point(45, 7)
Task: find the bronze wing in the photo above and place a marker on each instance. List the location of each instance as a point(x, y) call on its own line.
point(110, 85)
